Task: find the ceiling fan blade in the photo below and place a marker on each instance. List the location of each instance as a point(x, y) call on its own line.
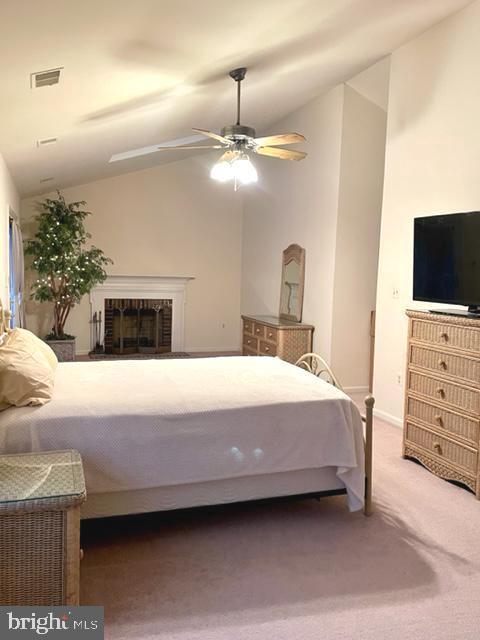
point(282, 154)
point(189, 146)
point(143, 151)
point(215, 136)
point(281, 138)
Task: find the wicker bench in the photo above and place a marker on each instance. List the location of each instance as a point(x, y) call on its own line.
point(40, 497)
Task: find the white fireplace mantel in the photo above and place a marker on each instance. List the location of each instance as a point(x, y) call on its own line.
point(160, 287)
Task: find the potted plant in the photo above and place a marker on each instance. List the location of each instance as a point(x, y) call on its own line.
point(66, 268)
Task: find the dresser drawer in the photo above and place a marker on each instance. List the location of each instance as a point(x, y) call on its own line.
point(258, 330)
point(444, 420)
point(248, 326)
point(249, 352)
point(271, 334)
point(449, 451)
point(250, 342)
point(444, 392)
point(267, 349)
point(456, 337)
point(461, 367)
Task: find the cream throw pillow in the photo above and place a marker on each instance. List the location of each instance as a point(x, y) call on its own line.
point(47, 351)
point(26, 370)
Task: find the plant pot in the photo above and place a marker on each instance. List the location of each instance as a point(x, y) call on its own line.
point(63, 349)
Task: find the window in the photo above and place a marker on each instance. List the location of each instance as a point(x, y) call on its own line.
point(15, 273)
point(13, 287)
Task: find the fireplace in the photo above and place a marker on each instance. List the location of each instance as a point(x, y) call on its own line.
point(138, 314)
point(138, 325)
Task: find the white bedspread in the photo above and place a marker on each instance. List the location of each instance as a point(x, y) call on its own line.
point(149, 423)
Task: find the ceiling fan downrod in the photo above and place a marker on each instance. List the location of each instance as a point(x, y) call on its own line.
point(238, 75)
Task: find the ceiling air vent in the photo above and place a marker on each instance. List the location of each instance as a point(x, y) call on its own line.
point(45, 78)
point(46, 141)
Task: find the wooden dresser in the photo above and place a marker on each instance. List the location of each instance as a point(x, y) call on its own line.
point(442, 398)
point(272, 336)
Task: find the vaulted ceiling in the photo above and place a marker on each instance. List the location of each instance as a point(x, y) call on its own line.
point(137, 73)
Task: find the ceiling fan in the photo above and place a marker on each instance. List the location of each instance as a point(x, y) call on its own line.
point(237, 140)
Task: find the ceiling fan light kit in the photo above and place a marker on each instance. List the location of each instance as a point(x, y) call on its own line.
point(240, 170)
point(243, 170)
point(241, 141)
point(222, 171)
point(238, 142)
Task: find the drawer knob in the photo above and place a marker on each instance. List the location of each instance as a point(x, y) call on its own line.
point(249, 341)
point(442, 364)
point(258, 330)
point(267, 348)
point(439, 419)
point(441, 392)
point(438, 448)
point(270, 335)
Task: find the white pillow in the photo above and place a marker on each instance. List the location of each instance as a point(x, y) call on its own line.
point(47, 351)
point(26, 370)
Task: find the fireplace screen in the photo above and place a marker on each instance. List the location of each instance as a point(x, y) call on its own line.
point(138, 326)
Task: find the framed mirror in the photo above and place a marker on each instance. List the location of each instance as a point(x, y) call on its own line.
point(293, 277)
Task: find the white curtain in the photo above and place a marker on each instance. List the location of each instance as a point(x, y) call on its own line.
point(17, 282)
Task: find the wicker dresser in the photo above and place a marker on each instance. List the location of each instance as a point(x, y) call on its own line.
point(272, 336)
point(442, 400)
point(40, 497)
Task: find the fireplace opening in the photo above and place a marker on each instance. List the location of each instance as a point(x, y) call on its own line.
point(138, 325)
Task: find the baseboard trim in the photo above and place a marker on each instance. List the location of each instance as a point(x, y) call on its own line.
point(355, 389)
point(387, 417)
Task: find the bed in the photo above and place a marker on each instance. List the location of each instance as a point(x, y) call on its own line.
point(175, 433)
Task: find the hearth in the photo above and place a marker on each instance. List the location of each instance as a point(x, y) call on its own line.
point(138, 325)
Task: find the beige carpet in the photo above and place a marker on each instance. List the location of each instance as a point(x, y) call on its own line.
point(308, 570)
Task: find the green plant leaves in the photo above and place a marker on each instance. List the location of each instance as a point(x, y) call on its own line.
point(66, 268)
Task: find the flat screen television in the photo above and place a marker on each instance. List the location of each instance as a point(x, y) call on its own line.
point(446, 263)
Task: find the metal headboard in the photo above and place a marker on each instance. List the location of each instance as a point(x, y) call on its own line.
point(315, 364)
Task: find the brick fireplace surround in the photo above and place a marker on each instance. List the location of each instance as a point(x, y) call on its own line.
point(140, 313)
point(137, 325)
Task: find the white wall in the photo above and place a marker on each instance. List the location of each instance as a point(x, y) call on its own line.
point(167, 220)
point(432, 166)
point(297, 203)
point(9, 203)
point(330, 204)
point(358, 235)
point(372, 83)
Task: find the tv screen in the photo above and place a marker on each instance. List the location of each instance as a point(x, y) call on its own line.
point(446, 264)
